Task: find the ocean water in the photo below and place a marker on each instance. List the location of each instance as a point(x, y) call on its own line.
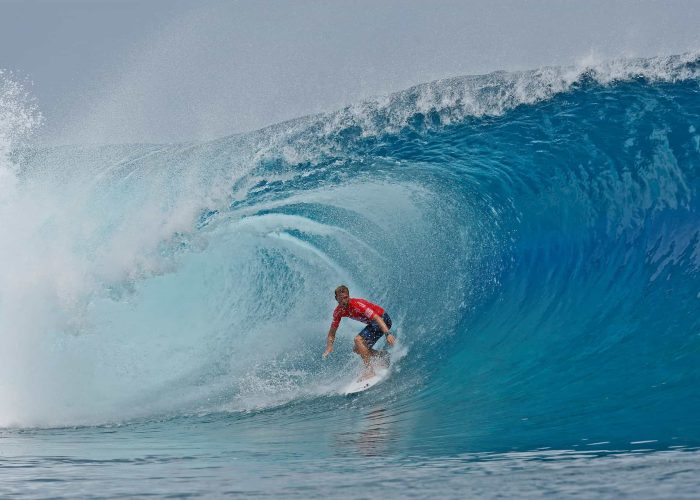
point(535, 237)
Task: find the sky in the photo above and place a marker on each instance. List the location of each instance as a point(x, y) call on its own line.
point(118, 71)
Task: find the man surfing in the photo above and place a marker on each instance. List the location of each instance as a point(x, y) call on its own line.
point(377, 320)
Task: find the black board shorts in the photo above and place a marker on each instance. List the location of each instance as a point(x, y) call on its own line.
point(372, 332)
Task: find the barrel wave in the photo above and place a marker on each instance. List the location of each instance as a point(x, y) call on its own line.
point(535, 236)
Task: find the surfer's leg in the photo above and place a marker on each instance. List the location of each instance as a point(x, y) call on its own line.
point(365, 353)
point(364, 343)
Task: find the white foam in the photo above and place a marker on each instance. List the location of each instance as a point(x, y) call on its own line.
point(452, 100)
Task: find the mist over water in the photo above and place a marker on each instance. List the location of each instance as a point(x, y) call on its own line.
point(178, 70)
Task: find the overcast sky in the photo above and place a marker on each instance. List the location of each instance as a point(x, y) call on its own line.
point(169, 70)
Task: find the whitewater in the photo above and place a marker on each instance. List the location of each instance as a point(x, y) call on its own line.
point(535, 236)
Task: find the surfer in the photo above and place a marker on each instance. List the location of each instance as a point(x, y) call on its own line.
point(377, 320)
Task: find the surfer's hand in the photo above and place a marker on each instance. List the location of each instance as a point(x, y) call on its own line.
point(390, 339)
point(328, 351)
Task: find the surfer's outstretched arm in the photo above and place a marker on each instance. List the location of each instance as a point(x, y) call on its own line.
point(329, 342)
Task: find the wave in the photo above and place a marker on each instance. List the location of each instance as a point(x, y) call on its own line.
point(534, 235)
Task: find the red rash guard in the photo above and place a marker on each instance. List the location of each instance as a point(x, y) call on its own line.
point(358, 309)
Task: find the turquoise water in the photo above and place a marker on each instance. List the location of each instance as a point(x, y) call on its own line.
point(535, 237)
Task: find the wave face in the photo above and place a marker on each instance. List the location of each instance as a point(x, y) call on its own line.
point(535, 237)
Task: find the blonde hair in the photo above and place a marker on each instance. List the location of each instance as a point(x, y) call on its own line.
point(341, 288)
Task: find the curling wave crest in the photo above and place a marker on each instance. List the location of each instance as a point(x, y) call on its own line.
point(535, 235)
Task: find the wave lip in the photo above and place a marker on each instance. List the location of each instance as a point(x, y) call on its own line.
point(433, 105)
point(454, 99)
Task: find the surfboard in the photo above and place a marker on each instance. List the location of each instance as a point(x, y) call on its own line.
point(380, 373)
point(362, 385)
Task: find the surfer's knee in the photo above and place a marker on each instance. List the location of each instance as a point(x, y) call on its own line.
point(359, 344)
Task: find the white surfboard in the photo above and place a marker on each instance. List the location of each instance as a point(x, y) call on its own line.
point(364, 384)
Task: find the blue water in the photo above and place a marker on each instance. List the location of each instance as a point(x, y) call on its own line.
point(535, 236)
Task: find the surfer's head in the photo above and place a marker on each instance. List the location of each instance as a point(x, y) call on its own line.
point(342, 295)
